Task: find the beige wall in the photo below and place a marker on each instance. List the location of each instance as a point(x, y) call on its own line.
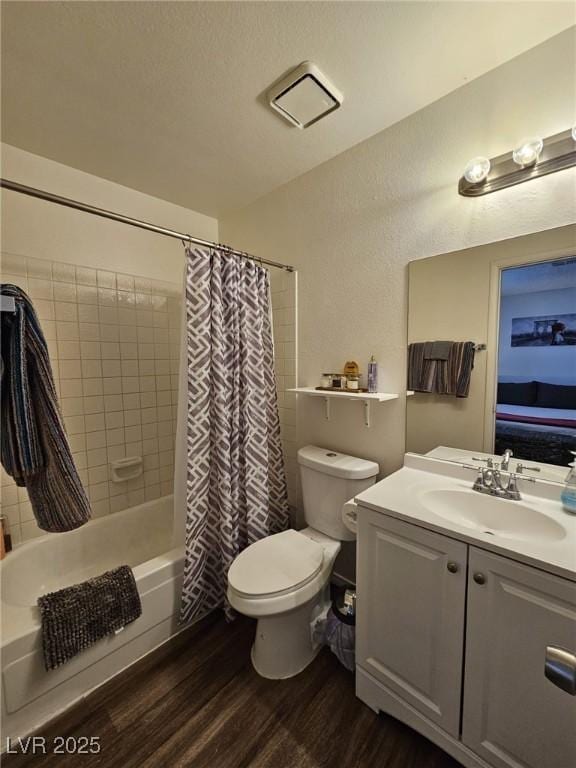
point(352, 225)
point(452, 297)
point(41, 230)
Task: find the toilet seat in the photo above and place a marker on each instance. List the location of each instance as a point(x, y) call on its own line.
point(276, 565)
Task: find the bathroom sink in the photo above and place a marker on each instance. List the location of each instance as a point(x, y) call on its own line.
point(491, 515)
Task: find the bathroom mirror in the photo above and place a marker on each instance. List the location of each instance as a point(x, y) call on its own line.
point(516, 301)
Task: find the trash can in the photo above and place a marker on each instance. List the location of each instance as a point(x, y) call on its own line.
point(340, 628)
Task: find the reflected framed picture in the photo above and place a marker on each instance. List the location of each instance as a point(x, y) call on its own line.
point(546, 331)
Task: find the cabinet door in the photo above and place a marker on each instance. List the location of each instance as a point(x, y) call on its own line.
point(513, 715)
point(411, 594)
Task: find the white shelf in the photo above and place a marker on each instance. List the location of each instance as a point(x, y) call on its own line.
point(367, 398)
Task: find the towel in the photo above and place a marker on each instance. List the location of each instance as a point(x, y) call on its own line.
point(437, 350)
point(74, 618)
point(34, 447)
point(436, 375)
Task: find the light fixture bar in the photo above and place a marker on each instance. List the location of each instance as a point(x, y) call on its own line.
point(559, 152)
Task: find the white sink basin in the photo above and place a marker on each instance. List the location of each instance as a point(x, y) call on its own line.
point(489, 514)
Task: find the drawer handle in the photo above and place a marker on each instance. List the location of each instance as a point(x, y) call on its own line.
point(560, 668)
point(479, 578)
point(452, 567)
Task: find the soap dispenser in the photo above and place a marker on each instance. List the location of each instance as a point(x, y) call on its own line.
point(568, 495)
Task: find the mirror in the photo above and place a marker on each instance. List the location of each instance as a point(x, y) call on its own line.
point(516, 301)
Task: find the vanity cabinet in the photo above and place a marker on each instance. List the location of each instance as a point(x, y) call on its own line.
point(453, 640)
point(411, 601)
point(513, 715)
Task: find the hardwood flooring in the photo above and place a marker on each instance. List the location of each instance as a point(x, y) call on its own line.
point(197, 702)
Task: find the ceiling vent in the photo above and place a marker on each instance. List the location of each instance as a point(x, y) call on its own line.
point(304, 96)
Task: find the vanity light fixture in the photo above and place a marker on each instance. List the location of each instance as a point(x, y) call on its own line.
point(528, 152)
point(477, 170)
point(533, 158)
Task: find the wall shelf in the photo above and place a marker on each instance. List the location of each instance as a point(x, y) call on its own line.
point(366, 398)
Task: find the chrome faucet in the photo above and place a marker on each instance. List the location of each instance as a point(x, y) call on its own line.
point(490, 481)
point(505, 463)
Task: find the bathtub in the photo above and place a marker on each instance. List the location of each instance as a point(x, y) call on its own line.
point(140, 537)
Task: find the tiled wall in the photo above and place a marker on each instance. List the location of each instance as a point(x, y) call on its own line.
point(284, 310)
point(114, 345)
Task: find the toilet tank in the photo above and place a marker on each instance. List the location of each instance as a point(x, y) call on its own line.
point(329, 480)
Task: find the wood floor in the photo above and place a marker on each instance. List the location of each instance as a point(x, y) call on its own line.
point(199, 703)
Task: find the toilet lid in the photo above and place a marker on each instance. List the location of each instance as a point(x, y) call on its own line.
point(276, 564)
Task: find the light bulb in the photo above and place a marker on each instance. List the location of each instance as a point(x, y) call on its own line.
point(477, 170)
point(574, 133)
point(528, 152)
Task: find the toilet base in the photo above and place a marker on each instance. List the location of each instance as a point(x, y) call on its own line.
point(283, 644)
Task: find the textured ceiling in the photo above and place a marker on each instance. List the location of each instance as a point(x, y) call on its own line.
point(166, 97)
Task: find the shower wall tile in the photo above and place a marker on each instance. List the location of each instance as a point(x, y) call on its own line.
point(114, 346)
point(284, 316)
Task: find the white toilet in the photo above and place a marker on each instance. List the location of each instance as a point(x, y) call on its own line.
point(284, 579)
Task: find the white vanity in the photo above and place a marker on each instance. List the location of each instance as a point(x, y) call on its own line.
point(466, 615)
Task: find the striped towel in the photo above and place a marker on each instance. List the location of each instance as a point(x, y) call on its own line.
point(439, 375)
point(34, 447)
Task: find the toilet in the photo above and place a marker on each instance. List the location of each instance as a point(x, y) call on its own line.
point(283, 581)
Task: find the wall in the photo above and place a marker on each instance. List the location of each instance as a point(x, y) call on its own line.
point(351, 226)
point(109, 298)
point(551, 364)
point(450, 298)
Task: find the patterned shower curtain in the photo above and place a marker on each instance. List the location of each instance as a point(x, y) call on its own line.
point(236, 487)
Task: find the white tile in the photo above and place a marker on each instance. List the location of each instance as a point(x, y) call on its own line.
point(146, 352)
point(149, 415)
point(100, 508)
point(162, 382)
point(133, 433)
point(64, 273)
point(148, 399)
point(39, 289)
point(9, 496)
point(92, 387)
point(128, 333)
point(107, 297)
point(92, 369)
point(96, 439)
point(146, 367)
point(134, 449)
point(110, 350)
point(113, 402)
point(12, 512)
point(113, 386)
point(149, 431)
point(128, 351)
point(79, 460)
point(152, 461)
point(90, 350)
point(144, 318)
point(126, 299)
point(87, 294)
point(88, 313)
point(152, 492)
point(143, 300)
point(125, 282)
point(106, 279)
point(85, 276)
point(108, 315)
point(118, 503)
point(111, 368)
point(115, 452)
point(67, 331)
point(148, 383)
point(149, 446)
point(145, 335)
point(13, 264)
point(77, 442)
point(93, 423)
point(94, 404)
point(131, 401)
point(114, 436)
point(143, 284)
point(44, 309)
point(39, 268)
point(74, 424)
point(97, 457)
point(114, 419)
point(49, 329)
point(30, 530)
point(72, 406)
point(151, 477)
point(98, 492)
point(131, 418)
point(65, 292)
point(109, 333)
point(98, 474)
point(68, 350)
point(136, 497)
point(70, 369)
point(126, 316)
point(130, 367)
point(89, 331)
point(130, 384)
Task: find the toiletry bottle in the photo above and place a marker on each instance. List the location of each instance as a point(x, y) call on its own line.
point(372, 375)
point(568, 495)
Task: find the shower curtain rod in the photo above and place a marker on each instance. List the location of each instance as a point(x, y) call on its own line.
point(14, 186)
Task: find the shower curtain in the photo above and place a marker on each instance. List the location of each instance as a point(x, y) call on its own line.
point(235, 484)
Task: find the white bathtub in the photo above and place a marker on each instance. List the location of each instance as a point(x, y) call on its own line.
point(140, 537)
